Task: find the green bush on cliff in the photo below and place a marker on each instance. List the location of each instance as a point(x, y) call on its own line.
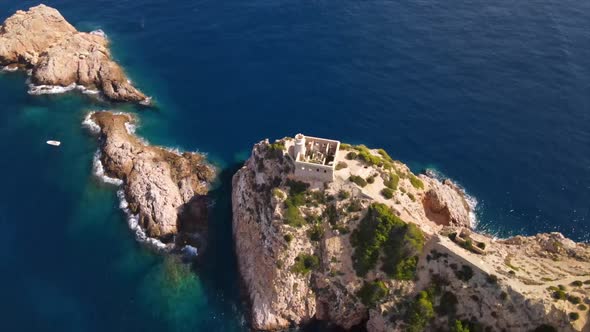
point(458, 326)
point(392, 182)
point(304, 263)
point(316, 232)
point(341, 165)
point(402, 250)
point(387, 193)
point(416, 183)
point(419, 313)
point(275, 150)
point(381, 230)
point(358, 180)
point(372, 292)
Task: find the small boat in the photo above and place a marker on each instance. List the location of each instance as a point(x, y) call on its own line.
point(54, 143)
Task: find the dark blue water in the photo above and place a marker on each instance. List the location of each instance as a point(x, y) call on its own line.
point(493, 94)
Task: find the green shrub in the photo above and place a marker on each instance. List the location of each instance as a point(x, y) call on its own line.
point(371, 179)
point(402, 250)
point(412, 197)
point(582, 307)
point(331, 213)
point(453, 236)
point(587, 282)
point(275, 150)
point(468, 244)
point(343, 194)
point(372, 293)
point(344, 146)
point(545, 328)
point(297, 191)
point(492, 279)
point(574, 299)
point(562, 287)
point(416, 183)
point(354, 206)
point(341, 165)
point(481, 245)
point(304, 263)
point(458, 326)
point(574, 316)
point(392, 182)
point(385, 155)
point(276, 192)
point(370, 236)
point(365, 155)
point(293, 216)
point(577, 283)
point(288, 237)
point(448, 304)
point(359, 181)
point(419, 313)
point(387, 193)
point(559, 295)
point(351, 155)
point(316, 232)
point(465, 273)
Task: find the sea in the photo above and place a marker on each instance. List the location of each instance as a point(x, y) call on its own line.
point(492, 94)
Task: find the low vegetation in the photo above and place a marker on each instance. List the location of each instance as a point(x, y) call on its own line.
point(392, 182)
point(387, 193)
point(419, 313)
point(275, 150)
point(341, 165)
point(372, 293)
point(305, 263)
point(381, 231)
point(359, 181)
point(416, 183)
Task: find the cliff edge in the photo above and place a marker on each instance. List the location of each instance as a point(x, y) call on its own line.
point(57, 55)
point(388, 250)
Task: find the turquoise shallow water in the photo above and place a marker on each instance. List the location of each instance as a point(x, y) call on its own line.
point(493, 95)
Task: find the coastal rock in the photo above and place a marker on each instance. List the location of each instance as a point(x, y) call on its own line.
point(445, 204)
point(164, 189)
point(296, 245)
point(42, 40)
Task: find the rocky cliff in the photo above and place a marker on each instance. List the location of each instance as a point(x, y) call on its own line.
point(41, 40)
point(388, 250)
point(166, 190)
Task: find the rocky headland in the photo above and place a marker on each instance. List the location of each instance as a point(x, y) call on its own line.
point(387, 250)
point(60, 58)
point(164, 191)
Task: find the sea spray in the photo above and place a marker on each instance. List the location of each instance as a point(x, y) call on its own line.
point(133, 223)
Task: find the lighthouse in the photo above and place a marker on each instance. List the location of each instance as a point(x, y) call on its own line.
point(299, 147)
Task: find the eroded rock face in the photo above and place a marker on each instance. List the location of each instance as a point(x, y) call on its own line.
point(445, 204)
point(163, 188)
point(42, 40)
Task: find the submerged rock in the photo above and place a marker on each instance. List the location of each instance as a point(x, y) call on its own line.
point(42, 40)
point(165, 189)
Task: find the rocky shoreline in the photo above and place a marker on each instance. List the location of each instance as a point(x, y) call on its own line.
point(404, 259)
point(164, 193)
point(59, 58)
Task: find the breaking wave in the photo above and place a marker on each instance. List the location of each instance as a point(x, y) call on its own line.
point(90, 124)
point(57, 89)
point(133, 223)
point(98, 170)
point(470, 199)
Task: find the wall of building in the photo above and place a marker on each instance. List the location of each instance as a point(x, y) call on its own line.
point(313, 172)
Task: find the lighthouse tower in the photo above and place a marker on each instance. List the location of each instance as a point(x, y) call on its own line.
point(299, 146)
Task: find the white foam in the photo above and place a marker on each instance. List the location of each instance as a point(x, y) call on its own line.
point(57, 89)
point(146, 102)
point(98, 171)
point(130, 127)
point(99, 32)
point(90, 124)
point(471, 200)
point(9, 69)
point(133, 223)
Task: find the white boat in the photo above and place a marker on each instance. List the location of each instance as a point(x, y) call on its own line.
point(54, 143)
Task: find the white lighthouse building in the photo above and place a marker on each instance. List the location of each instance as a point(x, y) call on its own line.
point(314, 158)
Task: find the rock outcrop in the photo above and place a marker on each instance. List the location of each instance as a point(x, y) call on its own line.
point(352, 253)
point(165, 189)
point(41, 40)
